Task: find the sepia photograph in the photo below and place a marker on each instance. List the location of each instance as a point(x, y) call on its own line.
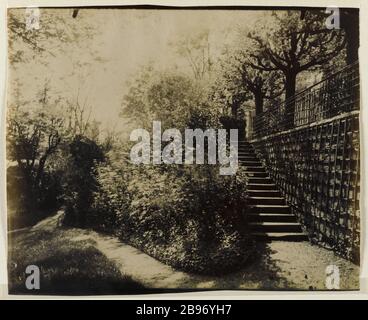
point(165, 150)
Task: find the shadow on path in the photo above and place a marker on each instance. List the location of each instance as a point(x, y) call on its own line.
point(277, 265)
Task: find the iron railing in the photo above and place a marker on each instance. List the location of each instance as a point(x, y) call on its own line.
point(334, 95)
point(313, 157)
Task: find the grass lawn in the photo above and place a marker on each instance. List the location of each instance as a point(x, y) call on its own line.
point(68, 266)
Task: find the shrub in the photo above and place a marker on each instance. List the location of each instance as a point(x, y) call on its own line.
point(189, 217)
point(111, 201)
point(27, 204)
point(80, 181)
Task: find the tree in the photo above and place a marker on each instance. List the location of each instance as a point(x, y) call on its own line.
point(349, 21)
point(170, 97)
point(227, 94)
point(196, 50)
point(32, 137)
point(292, 46)
point(350, 24)
point(55, 29)
point(241, 82)
point(78, 120)
point(263, 85)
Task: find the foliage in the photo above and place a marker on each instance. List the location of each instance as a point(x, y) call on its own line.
point(26, 44)
point(80, 180)
point(172, 98)
point(191, 218)
point(196, 51)
point(293, 44)
point(28, 205)
point(111, 200)
point(239, 84)
point(32, 139)
point(33, 185)
point(38, 139)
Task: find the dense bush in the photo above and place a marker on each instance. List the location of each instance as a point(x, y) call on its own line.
point(27, 204)
point(111, 202)
point(34, 137)
point(189, 217)
point(80, 181)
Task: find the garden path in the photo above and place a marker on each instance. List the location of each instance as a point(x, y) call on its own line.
point(275, 265)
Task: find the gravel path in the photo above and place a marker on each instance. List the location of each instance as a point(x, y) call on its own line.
point(276, 265)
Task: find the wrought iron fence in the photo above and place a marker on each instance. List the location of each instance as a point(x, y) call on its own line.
point(334, 95)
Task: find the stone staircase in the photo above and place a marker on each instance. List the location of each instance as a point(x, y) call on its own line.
point(270, 218)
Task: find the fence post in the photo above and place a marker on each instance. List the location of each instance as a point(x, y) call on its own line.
point(248, 124)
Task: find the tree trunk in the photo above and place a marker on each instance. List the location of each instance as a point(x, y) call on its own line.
point(289, 98)
point(258, 100)
point(40, 170)
point(234, 110)
point(259, 124)
point(352, 42)
point(350, 23)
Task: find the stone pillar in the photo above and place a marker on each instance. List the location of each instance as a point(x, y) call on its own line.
point(248, 124)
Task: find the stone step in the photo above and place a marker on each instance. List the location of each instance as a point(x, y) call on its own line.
point(248, 163)
point(271, 217)
point(281, 236)
point(244, 153)
point(261, 186)
point(252, 174)
point(278, 227)
point(266, 200)
point(263, 193)
point(262, 180)
point(266, 208)
point(243, 143)
point(268, 215)
point(253, 169)
point(246, 149)
point(248, 157)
